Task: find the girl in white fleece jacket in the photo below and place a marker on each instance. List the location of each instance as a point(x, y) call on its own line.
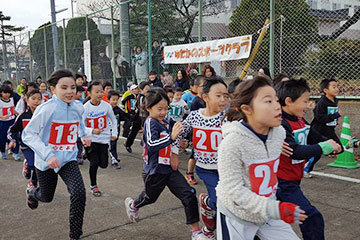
point(248, 160)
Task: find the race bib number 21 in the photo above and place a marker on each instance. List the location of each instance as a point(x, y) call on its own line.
point(63, 136)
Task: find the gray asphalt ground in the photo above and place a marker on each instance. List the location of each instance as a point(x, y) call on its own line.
point(105, 217)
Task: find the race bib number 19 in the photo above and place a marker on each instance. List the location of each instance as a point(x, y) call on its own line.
point(263, 177)
point(63, 136)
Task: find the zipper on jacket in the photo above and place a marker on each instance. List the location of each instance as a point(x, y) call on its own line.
point(267, 152)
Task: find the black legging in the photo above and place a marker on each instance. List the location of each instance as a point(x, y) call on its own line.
point(136, 126)
point(71, 176)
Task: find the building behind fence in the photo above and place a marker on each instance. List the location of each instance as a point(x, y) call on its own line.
point(312, 38)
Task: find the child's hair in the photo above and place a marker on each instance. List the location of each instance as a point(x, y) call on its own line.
point(325, 83)
point(143, 84)
point(198, 79)
point(31, 84)
point(183, 73)
point(244, 94)
point(266, 71)
point(169, 89)
point(278, 77)
point(57, 75)
point(79, 89)
point(5, 89)
point(95, 83)
point(212, 81)
point(154, 96)
point(107, 84)
point(207, 66)
point(152, 73)
point(7, 82)
point(166, 70)
point(178, 89)
point(77, 75)
point(29, 94)
point(293, 89)
point(191, 82)
point(113, 93)
point(38, 77)
point(233, 85)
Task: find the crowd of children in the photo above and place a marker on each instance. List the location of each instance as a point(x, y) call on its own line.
point(237, 134)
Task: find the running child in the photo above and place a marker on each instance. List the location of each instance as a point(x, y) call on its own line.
point(130, 107)
point(127, 122)
point(248, 159)
point(32, 101)
point(178, 107)
point(107, 86)
point(205, 127)
point(79, 97)
point(326, 115)
point(20, 106)
point(52, 133)
point(100, 118)
point(189, 96)
point(159, 155)
point(140, 101)
point(7, 118)
point(294, 100)
point(46, 95)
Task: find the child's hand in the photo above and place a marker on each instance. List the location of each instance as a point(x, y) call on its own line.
point(53, 162)
point(340, 112)
point(113, 138)
point(335, 145)
point(286, 150)
point(176, 130)
point(183, 143)
point(186, 107)
point(86, 142)
point(174, 162)
point(12, 144)
point(311, 105)
point(291, 213)
point(96, 131)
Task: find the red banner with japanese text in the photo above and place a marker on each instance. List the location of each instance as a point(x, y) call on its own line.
point(217, 50)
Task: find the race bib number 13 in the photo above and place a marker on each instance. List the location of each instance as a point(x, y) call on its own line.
point(263, 177)
point(63, 136)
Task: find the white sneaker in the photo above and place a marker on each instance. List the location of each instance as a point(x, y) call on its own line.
point(199, 236)
point(133, 214)
point(307, 175)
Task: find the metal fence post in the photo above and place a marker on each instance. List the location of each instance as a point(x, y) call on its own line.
point(200, 26)
point(113, 46)
point(149, 35)
point(46, 59)
point(87, 27)
point(272, 36)
point(16, 60)
point(64, 40)
point(31, 69)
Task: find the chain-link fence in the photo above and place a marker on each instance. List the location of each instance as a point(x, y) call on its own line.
point(312, 39)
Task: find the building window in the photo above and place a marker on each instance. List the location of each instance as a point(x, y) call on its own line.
point(336, 6)
point(313, 4)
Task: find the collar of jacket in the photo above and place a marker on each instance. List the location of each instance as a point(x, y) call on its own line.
point(60, 103)
point(292, 118)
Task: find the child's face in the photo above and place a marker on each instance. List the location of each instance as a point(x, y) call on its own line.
point(30, 88)
point(78, 95)
point(135, 91)
point(114, 100)
point(194, 88)
point(65, 89)
point(107, 89)
point(208, 73)
point(145, 90)
point(265, 109)
point(177, 96)
point(5, 96)
point(217, 99)
point(42, 87)
point(299, 107)
point(23, 82)
point(159, 110)
point(96, 93)
point(170, 96)
point(34, 101)
point(166, 73)
point(152, 77)
point(79, 81)
point(200, 88)
point(332, 90)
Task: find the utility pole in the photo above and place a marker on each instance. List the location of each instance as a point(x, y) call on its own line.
point(54, 34)
point(149, 35)
point(272, 36)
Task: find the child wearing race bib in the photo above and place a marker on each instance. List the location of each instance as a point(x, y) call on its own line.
point(247, 164)
point(52, 133)
point(190, 95)
point(7, 116)
point(205, 126)
point(100, 118)
point(326, 115)
point(32, 101)
point(161, 163)
point(178, 106)
point(44, 92)
point(294, 99)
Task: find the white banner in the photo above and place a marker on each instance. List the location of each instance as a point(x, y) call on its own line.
point(217, 50)
point(87, 59)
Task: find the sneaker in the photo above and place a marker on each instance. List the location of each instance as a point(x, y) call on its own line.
point(3, 155)
point(206, 213)
point(307, 175)
point(30, 186)
point(95, 191)
point(208, 233)
point(132, 213)
point(30, 201)
point(80, 161)
point(16, 156)
point(26, 171)
point(190, 178)
point(73, 238)
point(198, 236)
point(115, 165)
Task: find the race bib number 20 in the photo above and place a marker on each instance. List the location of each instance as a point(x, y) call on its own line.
point(207, 140)
point(63, 136)
point(263, 177)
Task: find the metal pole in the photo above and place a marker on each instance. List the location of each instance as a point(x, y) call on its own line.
point(149, 35)
point(6, 74)
point(272, 36)
point(64, 40)
point(125, 31)
point(46, 60)
point(200, 26)
point(16, 60)
point(72, 9)
point(113, 46)
point(54, 34)
point(31, 70)
point(280, 48)
point(87, 27)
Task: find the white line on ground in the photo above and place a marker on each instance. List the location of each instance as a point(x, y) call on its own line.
point(334, 176)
